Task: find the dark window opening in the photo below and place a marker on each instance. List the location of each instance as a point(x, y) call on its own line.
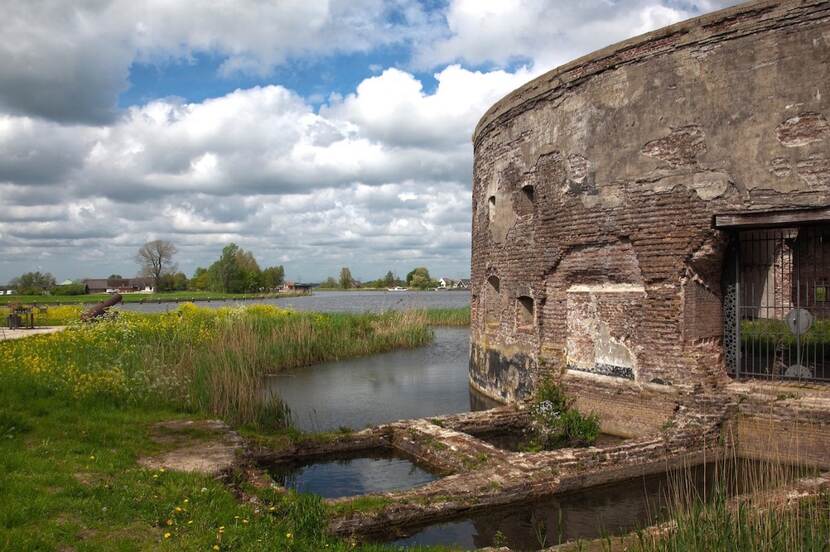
point(492, 302)
point(524, 200)
point(524, 313)
point(491, 207)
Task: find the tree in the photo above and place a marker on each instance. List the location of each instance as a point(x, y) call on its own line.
point(419, 278)
point(236, 271)
point(346, 280)
point(33, 283)
point(273, 277)
point(226, 275)
point(329, 283)
point(115, 277)
point(200, 280)
point(390, 280)
point(156, 259)
point(173, 282)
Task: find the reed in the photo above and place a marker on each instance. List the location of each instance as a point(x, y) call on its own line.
point(739, 510)
point(201, 360)
point(449, 317)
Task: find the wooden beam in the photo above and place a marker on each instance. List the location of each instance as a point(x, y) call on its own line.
point(772, 218)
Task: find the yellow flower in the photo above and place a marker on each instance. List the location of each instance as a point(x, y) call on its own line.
point(169, 522)
point(244, 521)
point(289, 535)
point(178, 509)
point(167, 535)
point(216, 547)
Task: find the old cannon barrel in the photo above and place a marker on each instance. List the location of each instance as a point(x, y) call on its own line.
point(101, 308)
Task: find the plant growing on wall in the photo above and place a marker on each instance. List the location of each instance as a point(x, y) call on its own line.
point(555, 423)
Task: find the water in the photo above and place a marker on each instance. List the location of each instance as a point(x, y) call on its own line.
point(339, 301)
point(376, 472)
point(413, 383)
point(595, 512)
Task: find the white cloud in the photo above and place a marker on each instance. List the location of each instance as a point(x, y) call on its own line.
point(546, 33)
point(376, 179)
point(260, 167)
point(68, 61)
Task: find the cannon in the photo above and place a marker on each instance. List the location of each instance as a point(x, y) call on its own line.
point(101, 308)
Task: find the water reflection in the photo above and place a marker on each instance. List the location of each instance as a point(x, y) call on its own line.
point(415, 383)
point(357, 474)
point(596, 512)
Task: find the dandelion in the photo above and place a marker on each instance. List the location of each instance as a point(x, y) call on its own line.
point(155, 476)
point(178, 509)
point(216, 547)
point(167, 535)
point(92, 458)
point(244, 521)
point(169, 522)
point(289, 536)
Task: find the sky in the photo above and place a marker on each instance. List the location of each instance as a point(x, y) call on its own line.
point(317, 134)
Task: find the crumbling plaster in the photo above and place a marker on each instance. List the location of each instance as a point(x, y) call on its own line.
point(630, 151)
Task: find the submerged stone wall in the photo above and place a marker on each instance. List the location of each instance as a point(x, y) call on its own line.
point(595, 186)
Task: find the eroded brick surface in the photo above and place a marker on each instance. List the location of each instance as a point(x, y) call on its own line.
point(629, 153)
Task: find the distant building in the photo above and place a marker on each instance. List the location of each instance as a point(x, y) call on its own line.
point(119, 285)
point(446, 283)
point(463, 283)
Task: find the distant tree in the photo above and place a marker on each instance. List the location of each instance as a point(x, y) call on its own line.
point(173, 282)
point(346, 280)
point(200, 280)
point(75, 288)
point(273, 277)
point(419, 278)
point(225, 274)
point(156, 259)
point(390, 280)
point(236, 271)
point(329, 283)
point(33, 283)
point(115, 277)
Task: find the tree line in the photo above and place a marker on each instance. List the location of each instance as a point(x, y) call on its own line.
point(417, 278)
point(235, 271)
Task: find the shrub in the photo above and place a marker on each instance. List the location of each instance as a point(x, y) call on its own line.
point(555, 423)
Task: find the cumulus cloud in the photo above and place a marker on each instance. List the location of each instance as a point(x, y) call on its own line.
point(546, 33)
point(259, 166)
point(68, 61)
point(378, 178)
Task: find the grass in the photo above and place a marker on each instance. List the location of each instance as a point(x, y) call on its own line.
point(52, 315)
point(556, 423)
point(167, 296)
point(776, 332)
point(747, 524)
point(449, 317)
point(203, 360)
point(77, 407)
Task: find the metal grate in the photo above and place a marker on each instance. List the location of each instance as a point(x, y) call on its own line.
point(781, 322)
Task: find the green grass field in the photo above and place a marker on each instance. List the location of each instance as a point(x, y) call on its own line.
point(77, 407)
point(172, 296)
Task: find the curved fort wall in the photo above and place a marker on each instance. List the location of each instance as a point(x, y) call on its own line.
point(595, 186)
